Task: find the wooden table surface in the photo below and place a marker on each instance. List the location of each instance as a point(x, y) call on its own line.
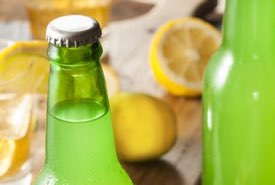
point(129, 43)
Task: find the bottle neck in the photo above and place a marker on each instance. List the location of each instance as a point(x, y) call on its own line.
point(75, 56)
point(76, 74)
point(78, 123)
point(249, 24)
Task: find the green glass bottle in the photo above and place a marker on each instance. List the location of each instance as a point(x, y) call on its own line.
point(80, 147)
point(238, 99)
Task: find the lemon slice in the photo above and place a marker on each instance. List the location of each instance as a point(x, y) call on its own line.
point(7, 149)
point(180, 51)
point(26, 57)
point(17, 58)
point(13, 154)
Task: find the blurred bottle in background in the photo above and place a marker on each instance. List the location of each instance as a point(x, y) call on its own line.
point(41, 12)
point(211, 11)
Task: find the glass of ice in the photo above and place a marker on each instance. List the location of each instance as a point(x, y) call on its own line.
point(16, 122)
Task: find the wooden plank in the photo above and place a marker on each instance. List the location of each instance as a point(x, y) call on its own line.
point(182, 165)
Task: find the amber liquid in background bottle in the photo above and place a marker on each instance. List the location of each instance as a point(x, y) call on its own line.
point(41, 12)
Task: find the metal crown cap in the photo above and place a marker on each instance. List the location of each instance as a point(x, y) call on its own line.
point(73, 31)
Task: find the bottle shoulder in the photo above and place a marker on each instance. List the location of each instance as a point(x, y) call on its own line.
point(75, 55)
point(229, 70)
point(226, 61)
point(117, 177)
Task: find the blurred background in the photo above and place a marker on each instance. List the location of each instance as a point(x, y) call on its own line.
point(154, 50)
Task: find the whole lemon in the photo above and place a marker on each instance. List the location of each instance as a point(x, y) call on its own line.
point(144, 126)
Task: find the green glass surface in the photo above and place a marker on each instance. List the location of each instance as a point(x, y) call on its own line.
point(80, 148)
point(238, 98)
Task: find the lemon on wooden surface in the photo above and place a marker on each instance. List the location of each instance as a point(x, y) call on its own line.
point(179, 53)
point(144, 126)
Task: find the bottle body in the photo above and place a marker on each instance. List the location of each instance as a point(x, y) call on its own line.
point(238, 99)
point(238, 124)
point(80, 146)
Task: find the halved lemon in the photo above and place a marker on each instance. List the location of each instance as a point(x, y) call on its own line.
point(179, 53)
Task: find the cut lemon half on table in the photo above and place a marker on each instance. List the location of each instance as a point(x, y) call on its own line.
point(179, 53)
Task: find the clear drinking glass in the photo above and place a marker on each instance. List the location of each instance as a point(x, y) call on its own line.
point(41, 12)
point(16, 123)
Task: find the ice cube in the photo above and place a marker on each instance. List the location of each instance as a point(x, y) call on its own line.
point(15, 115)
